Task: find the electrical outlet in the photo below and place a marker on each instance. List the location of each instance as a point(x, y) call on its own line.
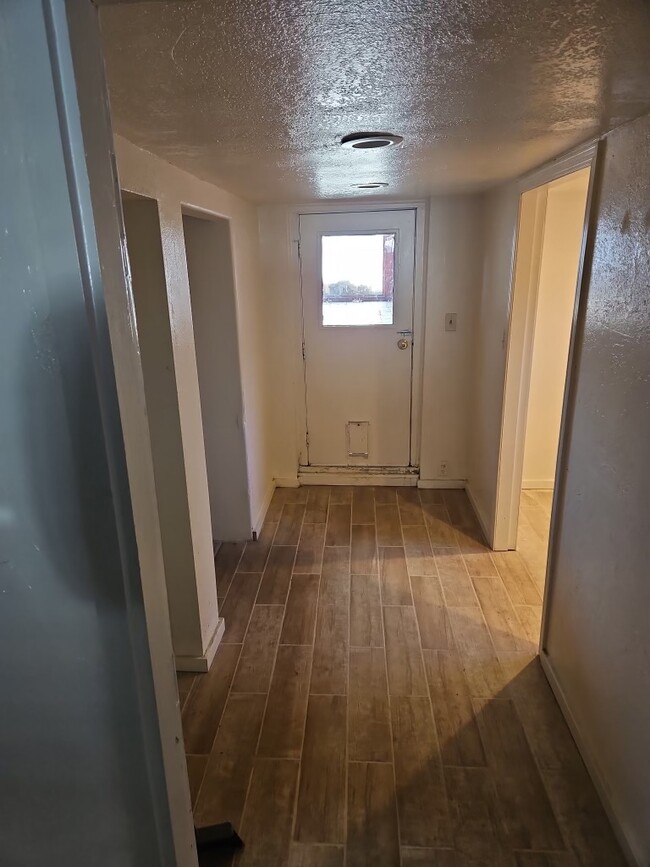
point(450, 321)
point(444, 468)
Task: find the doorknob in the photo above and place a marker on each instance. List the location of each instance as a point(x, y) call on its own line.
point(402, 343)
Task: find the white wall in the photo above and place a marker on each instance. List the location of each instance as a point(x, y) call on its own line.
point(212, 290)
point(190, 588)
point(596, 642)
point(500, 211)
point(563, 230)
point(454, 259)
point(453, 279)
point(143, 173)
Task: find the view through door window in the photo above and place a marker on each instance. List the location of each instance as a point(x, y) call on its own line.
point(358, 278)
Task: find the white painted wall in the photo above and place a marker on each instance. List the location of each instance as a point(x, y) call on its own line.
point(500, 211)
point(563, 230)
point(143, 173)
point(214, 314)
point(453, 281)
point(190, 587)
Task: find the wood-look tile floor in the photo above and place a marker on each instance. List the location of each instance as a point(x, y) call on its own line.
point(377, 699)
point(532, 532)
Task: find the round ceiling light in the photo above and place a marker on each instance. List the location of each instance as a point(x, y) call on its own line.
point(370, 140)
point(373, 185)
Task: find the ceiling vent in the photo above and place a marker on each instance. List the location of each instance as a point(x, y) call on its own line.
point(370, 140)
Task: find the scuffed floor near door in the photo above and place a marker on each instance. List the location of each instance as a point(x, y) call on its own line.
point(377, 699)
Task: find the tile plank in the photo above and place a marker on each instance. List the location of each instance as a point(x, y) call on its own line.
point(372, 837)
point(238, 606)
point(368, 714)
point(300, 611)
point(229, 766)
point(225, 565)
point(255, 553)
point(440, 529)
point(203, 709)
point(338, 524)
point(520, 586)
point(410, 507)
point(316, 855)
point(288, 532)
point(309, 558)
point(454, 578)
point(184, 682)
point(394, 577)
point(330, 668)
point(258, 653)
point(320, 814)
point(403, 654)
point(499, 614)
point(266, 826)
point(480, 565)
point(284, 720)
point(366, 629)
point(421, 797)
point(458, 733)
point(341, 494)
point(195, 771)
point(363, 506)
point(335, 576)
point(389, 528)
point(476, 820)
point(277, 576)
point(419, 556)
point(363, 557)
point(429, 858)
point(433, 620)
point(528, 819)
point(385, 495)
point(318, 498)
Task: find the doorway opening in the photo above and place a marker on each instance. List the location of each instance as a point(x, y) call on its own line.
point(208, 250)
point(546, 273)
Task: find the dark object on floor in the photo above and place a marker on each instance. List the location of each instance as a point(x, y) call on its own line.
point(222, 836)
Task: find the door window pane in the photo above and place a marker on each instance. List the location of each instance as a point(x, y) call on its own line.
point(358, 274)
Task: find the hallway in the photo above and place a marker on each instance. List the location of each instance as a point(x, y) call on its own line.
point(377, 697)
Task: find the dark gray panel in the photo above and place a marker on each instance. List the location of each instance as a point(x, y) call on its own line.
point(76, 769)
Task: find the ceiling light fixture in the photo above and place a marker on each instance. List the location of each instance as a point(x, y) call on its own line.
point(373, 185)
point(370, 140)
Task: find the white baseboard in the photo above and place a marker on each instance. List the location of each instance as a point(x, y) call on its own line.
point(261, 514)
point(357, 476)
point(287, 482)
point(590, 761)
point(538, 484)
point(202, 663)
point(478, 511)
point(441, 484)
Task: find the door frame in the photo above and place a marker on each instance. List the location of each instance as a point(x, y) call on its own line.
point(409, 474)
point(520, 333)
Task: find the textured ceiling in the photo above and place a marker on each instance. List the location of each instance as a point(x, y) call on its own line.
point(254, 96)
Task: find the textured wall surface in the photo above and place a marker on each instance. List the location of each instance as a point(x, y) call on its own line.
point(597, 638)
point(255, 96)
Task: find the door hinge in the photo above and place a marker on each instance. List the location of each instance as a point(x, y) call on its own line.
point(298, 243)
point(304, 357)
point(307, 438)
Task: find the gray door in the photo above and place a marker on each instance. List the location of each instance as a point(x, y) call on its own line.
point(81, 778)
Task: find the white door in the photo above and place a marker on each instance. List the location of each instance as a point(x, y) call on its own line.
point(357, 273)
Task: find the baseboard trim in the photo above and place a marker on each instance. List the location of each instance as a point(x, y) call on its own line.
point(589, 760)
point(202, 663)
point(478, 511)
point(353, 476)
point(441, 484)
point(287, 482)
point(538, 484)
point(261, 515)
